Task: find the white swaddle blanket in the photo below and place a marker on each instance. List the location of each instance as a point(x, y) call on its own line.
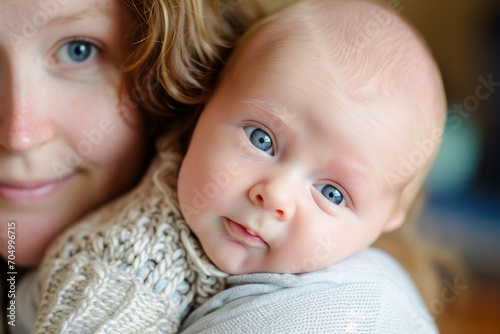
point(366, 293)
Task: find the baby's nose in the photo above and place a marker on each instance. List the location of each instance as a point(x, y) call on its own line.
point(274, 198)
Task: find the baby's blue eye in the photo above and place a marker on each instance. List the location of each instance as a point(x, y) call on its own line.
point(260, 139)
point(331, 193)
point(76, 52)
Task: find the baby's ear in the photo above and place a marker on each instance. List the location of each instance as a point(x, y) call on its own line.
point(395, 221)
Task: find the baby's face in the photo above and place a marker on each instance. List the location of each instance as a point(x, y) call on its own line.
point(67, 142)
point(285, 172)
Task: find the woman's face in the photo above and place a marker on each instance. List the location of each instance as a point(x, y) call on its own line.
point(69, 140)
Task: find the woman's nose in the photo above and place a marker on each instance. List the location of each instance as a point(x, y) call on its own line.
point(22, 123)
point(274, 196)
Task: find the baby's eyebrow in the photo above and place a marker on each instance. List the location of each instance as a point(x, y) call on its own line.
point(281, 113)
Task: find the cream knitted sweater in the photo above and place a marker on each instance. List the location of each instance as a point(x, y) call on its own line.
point(130, 267)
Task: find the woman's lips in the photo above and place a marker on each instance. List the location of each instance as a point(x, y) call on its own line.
point(19, 192)
point(241, 233)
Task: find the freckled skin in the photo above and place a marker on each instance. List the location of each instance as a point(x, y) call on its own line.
point(60, 119)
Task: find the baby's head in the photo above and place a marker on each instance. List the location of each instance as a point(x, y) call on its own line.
point(317, 139)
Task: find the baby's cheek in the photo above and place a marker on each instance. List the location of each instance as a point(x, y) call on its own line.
point(315, 245)
point(188, 178)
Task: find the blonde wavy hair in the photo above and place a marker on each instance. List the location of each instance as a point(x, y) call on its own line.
point(179, 48)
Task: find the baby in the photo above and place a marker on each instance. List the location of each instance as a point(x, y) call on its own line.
point(320, 133)
point(294, 167)
point(301, 144)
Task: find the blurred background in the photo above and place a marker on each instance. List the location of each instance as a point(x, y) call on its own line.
point(461, 213)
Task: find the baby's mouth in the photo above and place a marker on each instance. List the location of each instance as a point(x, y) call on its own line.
point(244, 235)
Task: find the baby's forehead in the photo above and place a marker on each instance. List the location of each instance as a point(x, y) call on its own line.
point(346, 42)
point(369, 52)
point(363, 42)
point(390, 69)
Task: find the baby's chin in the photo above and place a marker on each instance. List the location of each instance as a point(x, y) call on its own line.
point(240, 268)
point(232, 266)
point(235, 265)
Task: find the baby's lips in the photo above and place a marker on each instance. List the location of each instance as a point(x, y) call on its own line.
point(245, 235)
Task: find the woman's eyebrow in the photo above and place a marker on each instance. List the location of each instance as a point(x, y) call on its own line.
point(66, 18)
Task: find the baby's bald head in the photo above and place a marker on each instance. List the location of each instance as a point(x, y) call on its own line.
point(373, 56)
point(370, 48)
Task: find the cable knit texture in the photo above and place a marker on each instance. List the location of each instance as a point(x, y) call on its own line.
point(130, 267)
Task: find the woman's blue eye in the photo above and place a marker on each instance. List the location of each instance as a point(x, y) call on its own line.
point(331, 193)
point(260, 139)
point(76, 52)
